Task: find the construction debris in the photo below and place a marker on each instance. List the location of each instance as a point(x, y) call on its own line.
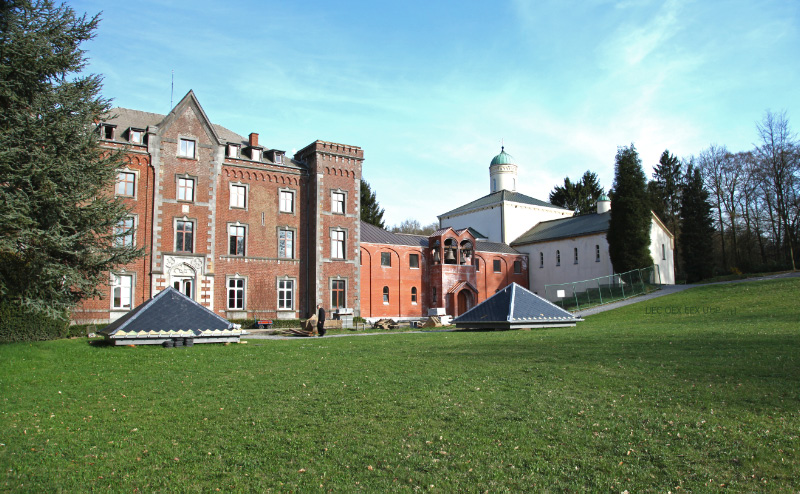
point(433, 322)
point(385, 324)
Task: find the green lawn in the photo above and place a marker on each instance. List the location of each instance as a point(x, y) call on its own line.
point(690, 391)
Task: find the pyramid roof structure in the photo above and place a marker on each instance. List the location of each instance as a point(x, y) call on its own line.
point(515, 307)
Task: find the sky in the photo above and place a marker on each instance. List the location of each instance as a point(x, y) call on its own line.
point(431, 89)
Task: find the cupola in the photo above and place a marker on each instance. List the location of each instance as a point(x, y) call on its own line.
point(502, 172)
point(603, 204)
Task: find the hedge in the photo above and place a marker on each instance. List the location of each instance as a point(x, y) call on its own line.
point(17, 324)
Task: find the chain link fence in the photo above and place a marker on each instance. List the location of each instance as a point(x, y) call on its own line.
point(579, 295)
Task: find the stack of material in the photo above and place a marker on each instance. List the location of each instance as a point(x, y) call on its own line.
point(433, 322)
point(385, 324)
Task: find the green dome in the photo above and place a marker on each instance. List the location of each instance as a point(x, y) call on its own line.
point(503, 158)
point(603, 197)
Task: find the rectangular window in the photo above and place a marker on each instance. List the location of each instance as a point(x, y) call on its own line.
point(285, 294)
point(596, 253)
point(287, 201)
point(233, 151)
point(337, 244)
point(108, 132)
point(575, 250)
point(184, 236)
point(338, 294)
point(123, 232)
point(386, 259)
point(496, 265)
point(413, 261)
point(238, 196)
point(541, 259)
point(186, 148)
point(337, 202)
point(278, 158)
point(125, 185)
point(236, 240)
point(286, 244)
point(517, 267)
point(386, 295)
point(236, 294)
point(477, 263)
point(186, 189)
point(135, 136)
point(121, 291)
point(414, 295)
point(255, 154)
point(663, 252)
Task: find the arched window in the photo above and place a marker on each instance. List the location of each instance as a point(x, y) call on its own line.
point(413, 295)
point(558, 258)
point(386, 295)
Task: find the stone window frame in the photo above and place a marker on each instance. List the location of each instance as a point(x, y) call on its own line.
point(343, 241)
point(112, 285)
point(194, 223)
point(287, 190)
point(278, 291)
point(185, 176)
point(246, 199)
point(237, 148)
point(134, 132)
point(127, 171)
point(179, 151)
point(131, 231)
point(228, 288)
point(286, 228)
point(108, 131)
point(410, 264)
point(345, 289)
point(334, 193)
point(237, 224)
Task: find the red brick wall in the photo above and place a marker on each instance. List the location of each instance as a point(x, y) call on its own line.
point(399, 278)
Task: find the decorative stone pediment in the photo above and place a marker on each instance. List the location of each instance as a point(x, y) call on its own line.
point(183, 265)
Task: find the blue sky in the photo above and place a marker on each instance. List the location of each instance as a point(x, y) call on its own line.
point(429, 89)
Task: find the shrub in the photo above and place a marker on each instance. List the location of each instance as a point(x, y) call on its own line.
point(17, 324)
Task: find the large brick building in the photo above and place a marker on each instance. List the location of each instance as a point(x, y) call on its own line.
point(236, 225)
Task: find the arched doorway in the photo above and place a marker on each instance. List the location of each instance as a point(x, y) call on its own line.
point(464, 301)
point(183, 278)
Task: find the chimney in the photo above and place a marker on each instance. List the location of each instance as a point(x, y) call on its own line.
point(253, 139)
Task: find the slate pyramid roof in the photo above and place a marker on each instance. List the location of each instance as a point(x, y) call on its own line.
point(169, 314)
point(514, 307)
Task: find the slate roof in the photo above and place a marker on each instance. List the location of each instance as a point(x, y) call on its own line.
point(169, 313)
point(496, 247)
point(371, 234)
point(574, 226)
point(497, 198)
point(515, 307)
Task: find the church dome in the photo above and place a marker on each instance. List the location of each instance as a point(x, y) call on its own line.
point(503, 158)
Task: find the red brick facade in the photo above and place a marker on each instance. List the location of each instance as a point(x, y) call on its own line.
point(239, 227)
point(455, 272)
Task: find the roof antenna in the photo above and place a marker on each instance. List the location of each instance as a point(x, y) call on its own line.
point(172, 89)
point(502, 145)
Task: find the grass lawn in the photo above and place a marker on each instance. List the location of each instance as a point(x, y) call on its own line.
point(687, 392)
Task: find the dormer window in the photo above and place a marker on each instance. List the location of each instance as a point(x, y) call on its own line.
point(255, 154)
point(233, 150)
point(136, 136)
point(108, 132)
point(278, 158)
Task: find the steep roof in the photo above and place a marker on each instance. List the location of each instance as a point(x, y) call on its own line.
point(499, 197)
point(574, 226)
point(169, 313)
point(515, 307)
point(371, 234)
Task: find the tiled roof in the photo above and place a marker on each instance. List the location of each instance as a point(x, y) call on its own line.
point(514, 306)
point(566, 227)
point(168, 313)
point(496, 247)
point(497, 198)
point(371, 234)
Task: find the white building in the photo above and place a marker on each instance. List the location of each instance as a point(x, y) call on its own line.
point(561, 247)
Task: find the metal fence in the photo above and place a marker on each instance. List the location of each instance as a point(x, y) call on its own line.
point(579, 295)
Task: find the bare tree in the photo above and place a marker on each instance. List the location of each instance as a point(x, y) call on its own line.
point(778, 159)
point(711, 163)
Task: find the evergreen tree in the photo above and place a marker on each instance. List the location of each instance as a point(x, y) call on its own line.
point(371, 211)
point(57, 211)
point(697, 227)
point(580, 196)
point(629, 226)
point(665, 190)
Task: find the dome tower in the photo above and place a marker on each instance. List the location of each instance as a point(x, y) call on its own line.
point(502, 172)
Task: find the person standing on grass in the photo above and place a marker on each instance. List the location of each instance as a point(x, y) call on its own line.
point(320, 320)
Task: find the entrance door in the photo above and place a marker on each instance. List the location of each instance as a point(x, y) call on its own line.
point(464, 301)
point(184, 285)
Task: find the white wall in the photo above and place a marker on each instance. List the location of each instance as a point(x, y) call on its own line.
point(518, 219)
point(586, 268)
point(662, 248)
point(486, 221)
